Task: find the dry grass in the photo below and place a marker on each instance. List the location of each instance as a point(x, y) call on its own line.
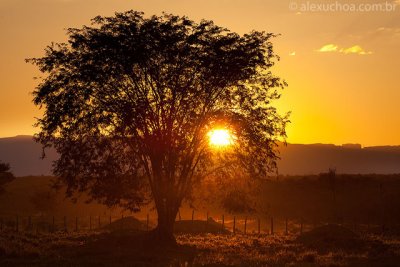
point(128, 248)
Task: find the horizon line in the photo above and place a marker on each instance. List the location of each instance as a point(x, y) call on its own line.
point(289, 143)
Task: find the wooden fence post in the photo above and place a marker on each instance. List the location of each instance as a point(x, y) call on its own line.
point(1, 224)
point(192, 215)
point(65, 224)
point(234, 224)
point(110, 219)
point(259, 225)
point(301, 225)
point(286, 226)
point(53, 225)
point(99, 222)
point(147, 222)
point(90, 222)
point(272, 225)
point(76, 224)
point(223, 222)
point(30, 228)
point(16, 224)
point(245, 225)
point(207, 222)
point(179, 215)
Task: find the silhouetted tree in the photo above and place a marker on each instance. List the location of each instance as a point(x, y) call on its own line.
point(44, 202)
point(129, 101)
point(5, 175)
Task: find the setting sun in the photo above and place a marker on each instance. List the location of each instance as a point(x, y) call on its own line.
point(220, 137)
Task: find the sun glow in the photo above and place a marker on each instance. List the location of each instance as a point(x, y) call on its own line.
point(220, 137)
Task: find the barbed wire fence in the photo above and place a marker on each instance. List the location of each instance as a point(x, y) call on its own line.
point(228, 223)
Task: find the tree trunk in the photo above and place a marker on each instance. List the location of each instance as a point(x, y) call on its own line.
point(164, 231)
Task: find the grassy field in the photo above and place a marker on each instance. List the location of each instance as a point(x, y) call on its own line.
point(325, 246)
point(371, 214)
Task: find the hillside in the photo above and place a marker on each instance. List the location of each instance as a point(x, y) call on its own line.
point(299, 159)
point(23, 154)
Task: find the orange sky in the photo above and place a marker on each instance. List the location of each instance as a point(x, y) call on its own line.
point(342, 67)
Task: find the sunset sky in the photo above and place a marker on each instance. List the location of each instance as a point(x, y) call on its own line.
point(343, 68)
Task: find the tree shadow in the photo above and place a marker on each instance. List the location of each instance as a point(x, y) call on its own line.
point(128, 248)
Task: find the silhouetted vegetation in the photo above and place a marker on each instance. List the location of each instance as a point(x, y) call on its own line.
point(128, 103)
point(358, 198)
point(5, 175)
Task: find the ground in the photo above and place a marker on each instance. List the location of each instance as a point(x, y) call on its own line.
point(131, 248)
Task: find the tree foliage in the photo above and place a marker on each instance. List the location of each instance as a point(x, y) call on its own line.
point(230, 188)
point(128, 102)
point(6, 175)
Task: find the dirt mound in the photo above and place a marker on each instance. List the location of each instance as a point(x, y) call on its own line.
point(127, 223)
point(332, 237)
point(198, 226)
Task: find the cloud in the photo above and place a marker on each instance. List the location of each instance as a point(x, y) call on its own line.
point(355, 49)
point(328, 48)
point(292, 53)
point(391, 31)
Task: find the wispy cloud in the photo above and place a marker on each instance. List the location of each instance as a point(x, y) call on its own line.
point(391, 31)
point(292, 53)
point(355, 49)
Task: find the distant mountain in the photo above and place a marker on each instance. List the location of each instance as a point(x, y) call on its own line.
point(24, 154)
point(349, 158)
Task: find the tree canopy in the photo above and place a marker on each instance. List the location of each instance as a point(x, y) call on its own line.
point(128, 102)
